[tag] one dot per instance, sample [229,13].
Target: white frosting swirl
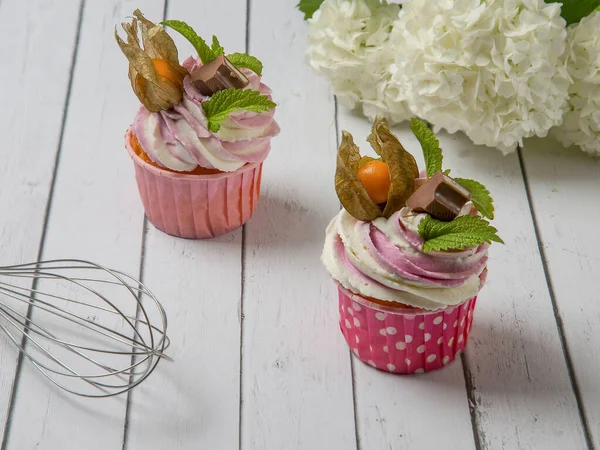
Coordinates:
[383,259]
[179,138]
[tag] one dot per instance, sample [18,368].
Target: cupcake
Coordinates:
[201,134]
[408,253]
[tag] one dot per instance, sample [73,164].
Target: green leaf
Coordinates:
[461,233]
[205,53]
[216,47]
[429,144]
[223,103]
[308,7]
[247,61]
[481,197]
[575,10]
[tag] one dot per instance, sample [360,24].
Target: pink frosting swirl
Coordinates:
[179,138]
[384,259]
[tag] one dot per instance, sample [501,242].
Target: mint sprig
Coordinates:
[575,10]
[461,233]
[309,7]
[481,197]
[247,61]
[208,53]
[216,48]
[430,145]
[223,103]
[205,53]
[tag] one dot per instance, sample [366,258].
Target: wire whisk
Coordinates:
[92,331]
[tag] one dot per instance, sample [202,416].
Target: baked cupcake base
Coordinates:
[403,340]
[196,206]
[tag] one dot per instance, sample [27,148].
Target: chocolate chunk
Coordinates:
[441,197]
[218,75]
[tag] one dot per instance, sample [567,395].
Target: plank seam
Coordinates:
[556,309]
[137,316]
[137,308]
[242,277]
[470,388]
[15,386]
[352,370]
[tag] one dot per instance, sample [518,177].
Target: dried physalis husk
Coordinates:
[350,190]
[402,165]
[156,91]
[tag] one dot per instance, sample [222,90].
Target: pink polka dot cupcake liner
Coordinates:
[404,341]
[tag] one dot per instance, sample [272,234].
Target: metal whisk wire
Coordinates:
[141,345]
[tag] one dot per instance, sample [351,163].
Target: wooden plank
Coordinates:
[96,214]
[193,402]
[521,388]
[30,123]
[399,412]
[563,185]
[296,389]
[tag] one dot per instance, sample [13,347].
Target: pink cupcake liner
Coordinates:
[196,206]
[404,341]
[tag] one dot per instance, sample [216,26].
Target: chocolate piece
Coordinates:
[218,75]
[441,197]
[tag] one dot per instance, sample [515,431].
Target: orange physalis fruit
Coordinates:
[375,177]
[163,69]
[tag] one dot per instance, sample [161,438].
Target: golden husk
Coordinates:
[154,91]
[351,192]
[402,166]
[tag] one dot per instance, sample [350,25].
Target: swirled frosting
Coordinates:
[179,138]
[384,259]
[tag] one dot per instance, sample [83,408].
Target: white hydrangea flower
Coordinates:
[491,68]
[347,43]
[582,121]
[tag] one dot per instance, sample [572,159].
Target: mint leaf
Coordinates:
[216,47]
[481,197]
[247,61]
[205,53]
[430,145]
[223,103]
[461,233]
[308,7]
[575,10]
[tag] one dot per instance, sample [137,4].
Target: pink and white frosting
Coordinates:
[384,259]
[179,138]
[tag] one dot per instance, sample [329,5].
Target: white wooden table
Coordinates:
[259,360]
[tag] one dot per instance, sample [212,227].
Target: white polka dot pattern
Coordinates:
[404,343]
